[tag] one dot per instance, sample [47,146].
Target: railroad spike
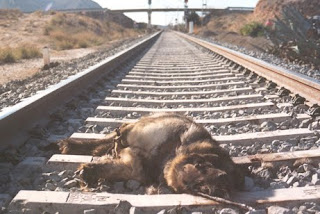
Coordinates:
[252,75]
[282,92]
[297,100]
[247,72]
[314,110]
[235,66]
[271,85]
[240,68]
[260,80]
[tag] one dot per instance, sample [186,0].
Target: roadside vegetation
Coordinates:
[11,55]
[253,29]
[69,31]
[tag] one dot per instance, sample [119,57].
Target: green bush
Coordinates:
[253,29]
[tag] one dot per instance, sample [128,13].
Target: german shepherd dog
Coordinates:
[165,147]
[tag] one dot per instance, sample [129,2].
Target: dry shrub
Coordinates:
[28,52]
[58,19]
[7,56]
[90,38]
[11,55]
[13,14]
[47,30]
[69,31]
[38,13]
[64,41]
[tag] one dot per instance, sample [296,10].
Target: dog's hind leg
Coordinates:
[86,147]
[96,147]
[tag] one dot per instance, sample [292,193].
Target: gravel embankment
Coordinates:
[272,59]
[15,176]
[12,92]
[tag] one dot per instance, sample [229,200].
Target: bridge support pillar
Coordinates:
[149,19]
[190,27]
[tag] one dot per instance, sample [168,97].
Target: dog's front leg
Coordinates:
[113,170]
[127,167]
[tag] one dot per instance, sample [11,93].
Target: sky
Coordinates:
[161,18]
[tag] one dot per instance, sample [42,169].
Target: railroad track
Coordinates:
[262,126]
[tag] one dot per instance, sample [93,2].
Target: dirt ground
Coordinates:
[250,43]
[224,26]
[22,29]
[18,29]
[27,68]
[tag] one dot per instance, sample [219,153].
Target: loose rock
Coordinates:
[122,207]
[92,211]
[228,211]
[70,184]
[133,184]
[278,210]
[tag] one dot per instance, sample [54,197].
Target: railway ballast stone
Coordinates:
[122,207]
[268,126]
[72,183]
[4,201]
[305,123]
[256,212]
[133,185]
[119,187]
[50,186]
[279,210]
[315,179]
[91,211]
[228,211]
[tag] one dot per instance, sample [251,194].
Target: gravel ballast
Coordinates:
[272,59]
[70,119]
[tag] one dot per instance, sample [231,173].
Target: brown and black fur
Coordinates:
[161,147]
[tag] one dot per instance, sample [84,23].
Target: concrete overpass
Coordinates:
[152,10]
[163,10]
[240,9]
[182,9]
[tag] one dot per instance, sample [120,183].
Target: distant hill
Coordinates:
[33,5]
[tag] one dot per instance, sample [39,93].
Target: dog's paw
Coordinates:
[89,174]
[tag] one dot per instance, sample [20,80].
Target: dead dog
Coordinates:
[166,147]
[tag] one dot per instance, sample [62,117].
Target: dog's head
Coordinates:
[206,173]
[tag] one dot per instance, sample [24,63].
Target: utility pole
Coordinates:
[204,7]
[186,12]
[149,14]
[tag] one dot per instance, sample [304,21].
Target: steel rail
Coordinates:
[297,83]
[16,121]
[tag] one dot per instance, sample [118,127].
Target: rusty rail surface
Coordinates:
[297,83]
[16,121]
